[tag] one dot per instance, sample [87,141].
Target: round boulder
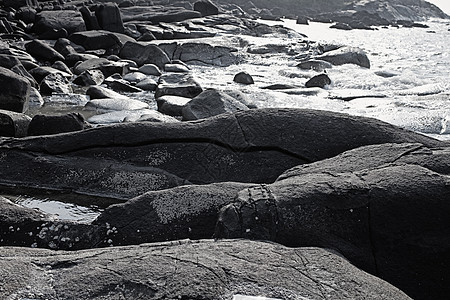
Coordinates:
[244,78]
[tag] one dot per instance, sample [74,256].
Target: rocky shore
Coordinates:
[205,195]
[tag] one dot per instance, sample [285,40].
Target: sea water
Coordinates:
[410,67]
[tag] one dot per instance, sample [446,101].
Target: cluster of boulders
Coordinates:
[329,197]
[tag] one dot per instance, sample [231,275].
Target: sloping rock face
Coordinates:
[71,21]
[249,146]
[15,91]
[186,270]
[388,220]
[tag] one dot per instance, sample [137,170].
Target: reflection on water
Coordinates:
[63,210]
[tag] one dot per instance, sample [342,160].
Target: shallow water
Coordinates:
[410,66]
[60,210]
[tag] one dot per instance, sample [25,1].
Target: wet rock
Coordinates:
[109,17]
[154,116]
[39,73]
[244,78]
[321,81]
[120,85]
[314,64]
[35,98]
[178,84]
[156,14]
[90,20]
[100,39]
[64,47]
[13,124]
[303,20]
[47,124]
[135,77]
[108,104]
[341,26]
[201,53]
[15,91]
[74,59]
[172,105]
[69,20]
[144,54]
[206,8]
[176,68]
[182,212]
[147,84]
[228,147]
[258,268]
[42,51]
[55,83]
[352,94]
[346,55]
[99,92]
[14,64]
[106,66]
[59,65]
[211,103]
[366,215]
[89,77]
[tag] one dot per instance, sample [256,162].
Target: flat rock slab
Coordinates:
[186,270]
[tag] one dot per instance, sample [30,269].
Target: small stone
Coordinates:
[244,78]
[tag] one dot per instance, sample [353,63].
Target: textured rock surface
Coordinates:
[186,270]
[13,124]
[15,91]
[144,54]
[389,221]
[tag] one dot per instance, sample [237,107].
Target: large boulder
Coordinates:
[13,124]
[43,51]
[201,53]
[15,91]
[106,66]
[211,103]
[99,39]
[346,55]
[172,105]
[157,14]
[389,221]
[69,20]
[144,54]
[247,146]
[206,8]
[44,124]
[109,17]
[55,83]
[187,270]
[14,64]
[178,84]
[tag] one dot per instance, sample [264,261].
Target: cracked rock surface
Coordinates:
[186,270]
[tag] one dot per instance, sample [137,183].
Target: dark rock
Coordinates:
[156,14]
[342,26]
[90,20]
[69,20]
[105,66]
[315,64]
[303,20]
[206,8]
[178,84]
[59,65]
[14,64]
[45,124]
[74,59]
[201,53]
[147,84]
[39,73]
[144,54]
[121,86]
[109,17]
[99,39]
[15,91]
[90,77]
[204,270]
[54,34]
[99,92]
[55,83]
[346,55]
[42,51]
[64,47]
[279,86]
[321,81]
[211,103]
[247,146]
[366,215]
[243,77]
[13,124]
[172,105]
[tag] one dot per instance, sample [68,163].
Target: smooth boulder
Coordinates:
[144,54]
[211,103]
[346,55]
[45,124]
[15,91]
